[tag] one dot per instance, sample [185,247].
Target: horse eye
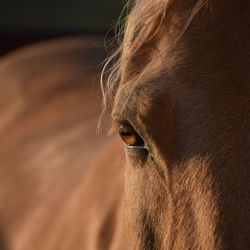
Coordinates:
[130,137]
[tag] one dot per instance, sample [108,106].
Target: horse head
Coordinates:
[181,106]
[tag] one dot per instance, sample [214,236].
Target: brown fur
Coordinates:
[183,83]
[59,189]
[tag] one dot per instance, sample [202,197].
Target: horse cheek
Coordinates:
[146,204]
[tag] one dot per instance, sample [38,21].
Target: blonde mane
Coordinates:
[146,23]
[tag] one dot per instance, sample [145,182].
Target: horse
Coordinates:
[180,95]
[53,195]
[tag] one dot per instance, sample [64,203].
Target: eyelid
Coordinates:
[135,147]
[120,121]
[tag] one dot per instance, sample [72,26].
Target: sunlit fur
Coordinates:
[61,184]
[145,25]
[182,81]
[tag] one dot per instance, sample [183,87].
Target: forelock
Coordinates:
[147,24]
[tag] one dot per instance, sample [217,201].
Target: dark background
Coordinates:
[24,21]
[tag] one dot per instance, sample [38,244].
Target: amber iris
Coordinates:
[129,135]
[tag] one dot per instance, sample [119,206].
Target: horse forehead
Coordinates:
[134,100]
[211,56]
